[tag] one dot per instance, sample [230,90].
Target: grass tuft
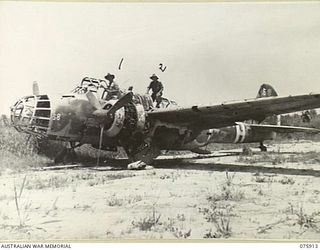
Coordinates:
[149,222]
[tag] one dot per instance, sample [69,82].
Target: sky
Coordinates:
[213,52]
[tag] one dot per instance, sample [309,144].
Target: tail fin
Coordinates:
[35,88]
[266,90]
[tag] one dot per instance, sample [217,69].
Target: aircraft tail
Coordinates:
[35,88]
[266,90]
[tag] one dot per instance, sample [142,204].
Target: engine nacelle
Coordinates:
[118,122]
[126,123]
[141,117]
[127,120]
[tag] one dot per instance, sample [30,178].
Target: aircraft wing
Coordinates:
[227,113]
[282,129]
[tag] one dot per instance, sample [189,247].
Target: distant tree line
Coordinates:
[309,118]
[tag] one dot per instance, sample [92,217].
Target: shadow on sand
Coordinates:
[190,163]
[242,168]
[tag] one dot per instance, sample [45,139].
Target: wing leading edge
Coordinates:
[227,113]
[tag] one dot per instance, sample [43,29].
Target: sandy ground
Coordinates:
[224,195]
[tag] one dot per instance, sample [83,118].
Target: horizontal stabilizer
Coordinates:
[282,129]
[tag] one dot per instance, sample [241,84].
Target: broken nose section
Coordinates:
[31,114]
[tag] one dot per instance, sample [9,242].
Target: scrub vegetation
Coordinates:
[18,152]
[272,195]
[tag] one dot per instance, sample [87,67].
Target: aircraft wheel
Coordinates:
[137,165]
[263,148]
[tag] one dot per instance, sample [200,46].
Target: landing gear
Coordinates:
[143,155]
[262,147]
[67,155]
[137,165]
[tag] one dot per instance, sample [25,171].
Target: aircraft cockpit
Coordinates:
[90,84]
[31,114]
[100,89]
[97,86]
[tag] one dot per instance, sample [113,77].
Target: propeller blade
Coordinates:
[35,88]
[101,113]
[100,143]
[121,102]
[93,100]
[106,116]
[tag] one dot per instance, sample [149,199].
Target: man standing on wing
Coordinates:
[156,88]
